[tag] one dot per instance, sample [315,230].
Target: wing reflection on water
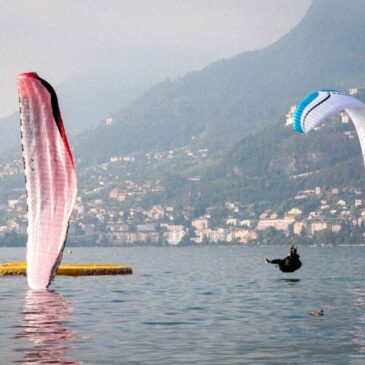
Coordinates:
[44,315]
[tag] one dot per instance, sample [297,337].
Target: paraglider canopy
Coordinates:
[50,177]
[319,106]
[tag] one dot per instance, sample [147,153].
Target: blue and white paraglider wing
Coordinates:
[319,106]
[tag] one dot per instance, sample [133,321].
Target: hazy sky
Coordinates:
[61,38]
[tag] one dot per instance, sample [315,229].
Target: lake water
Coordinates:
[201,305]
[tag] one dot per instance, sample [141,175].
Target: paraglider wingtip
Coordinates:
[24,75]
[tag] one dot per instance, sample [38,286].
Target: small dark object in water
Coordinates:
[318,313]
[290,280]
[291,263]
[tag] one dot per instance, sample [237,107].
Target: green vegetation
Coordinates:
[269,168]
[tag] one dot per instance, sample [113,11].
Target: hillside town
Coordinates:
[108,209]
[102,216]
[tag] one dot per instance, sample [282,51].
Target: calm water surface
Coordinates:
[207,305]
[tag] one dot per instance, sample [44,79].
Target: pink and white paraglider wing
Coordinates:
[50,178]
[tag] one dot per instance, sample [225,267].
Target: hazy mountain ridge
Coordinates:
[10,145]
[222,103]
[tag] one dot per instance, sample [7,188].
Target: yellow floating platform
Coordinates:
[20,268]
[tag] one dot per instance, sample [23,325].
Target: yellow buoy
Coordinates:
[20,268]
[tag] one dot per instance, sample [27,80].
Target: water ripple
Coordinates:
[191,313]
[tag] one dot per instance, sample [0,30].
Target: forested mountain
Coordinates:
[269,168]
[232,98]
